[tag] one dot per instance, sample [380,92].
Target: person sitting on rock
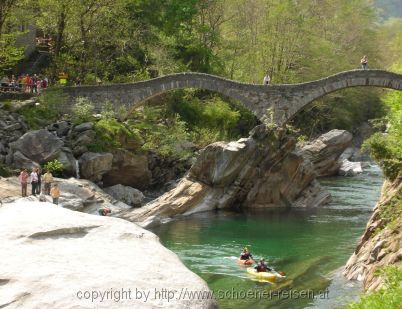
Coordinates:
[104,211]
[262,266]
[55,193]
[245,255]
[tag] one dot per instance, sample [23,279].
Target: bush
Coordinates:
[390,296]
[55,167]
[5,171]
[83,110]
[165,139]
[112,134]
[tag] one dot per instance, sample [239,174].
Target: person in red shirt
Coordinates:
[29,84]
[24,181]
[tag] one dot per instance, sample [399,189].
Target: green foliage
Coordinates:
[47,111]
[10,54]
[83,110]
[386,148]
[210,116]
[55,167]
[162,135]
[390,296]
[112,134]
[5,171]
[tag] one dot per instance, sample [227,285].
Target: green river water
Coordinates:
[309,245]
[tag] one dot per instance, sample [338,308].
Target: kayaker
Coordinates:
[262,266]
[245,255]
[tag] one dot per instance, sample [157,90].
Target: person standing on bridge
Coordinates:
[364,62]
[267,79]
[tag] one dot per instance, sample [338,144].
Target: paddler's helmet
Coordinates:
[245,249]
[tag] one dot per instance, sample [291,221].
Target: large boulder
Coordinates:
[94,165]
[128,169]
[69,162]
[128,195]
[57,258]
[262,171]
[325,151]
[39,146]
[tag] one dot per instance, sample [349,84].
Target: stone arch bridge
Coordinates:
[284,101]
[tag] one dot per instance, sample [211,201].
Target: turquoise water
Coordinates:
[307,244]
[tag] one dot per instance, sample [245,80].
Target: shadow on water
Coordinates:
[307,244]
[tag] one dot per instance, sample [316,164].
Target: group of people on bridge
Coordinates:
[24,83]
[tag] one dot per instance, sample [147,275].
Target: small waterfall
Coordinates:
[77,169]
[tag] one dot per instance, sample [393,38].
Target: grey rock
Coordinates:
[83,127]
[67,158]
[21,161]
[349,168]
[128,195]
[13,127]
[325,151]
[40,146]
[94,165]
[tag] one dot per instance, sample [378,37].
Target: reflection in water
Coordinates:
[307,244]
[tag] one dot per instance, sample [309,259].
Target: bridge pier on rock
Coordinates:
[284,101]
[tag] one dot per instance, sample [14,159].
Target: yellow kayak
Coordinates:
[265,275]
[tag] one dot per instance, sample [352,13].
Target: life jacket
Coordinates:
[261,267]
[245,256]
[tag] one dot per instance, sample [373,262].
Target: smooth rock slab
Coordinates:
[51,256]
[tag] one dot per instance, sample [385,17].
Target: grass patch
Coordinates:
[390,296]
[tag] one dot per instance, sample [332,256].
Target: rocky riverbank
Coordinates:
[57,258]
[380,244]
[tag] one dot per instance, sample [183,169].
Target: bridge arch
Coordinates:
[285,101]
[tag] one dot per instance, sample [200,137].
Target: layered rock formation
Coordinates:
[325,151]
[56,258]
[380,244]
[264,170]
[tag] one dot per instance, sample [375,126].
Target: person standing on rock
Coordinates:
[47,180]
[34,180]
[55,193]
[39,186]
[24,181]
[364,62]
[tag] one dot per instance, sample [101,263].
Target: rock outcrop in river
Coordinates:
[325,151]
[56,258]
[262,171]
[380,244]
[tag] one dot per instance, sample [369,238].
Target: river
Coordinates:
[309,245]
